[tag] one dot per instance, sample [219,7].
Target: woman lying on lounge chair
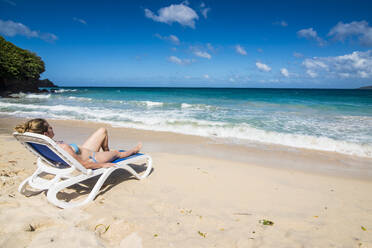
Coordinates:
[87,154]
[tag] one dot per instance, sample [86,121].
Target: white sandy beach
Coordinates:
[202,193]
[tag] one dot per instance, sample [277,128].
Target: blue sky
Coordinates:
[312,44]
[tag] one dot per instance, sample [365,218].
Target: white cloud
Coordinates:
[281,23]
[48,37]
[79,20]
[206,76]
[354,65]
[172,38]
[360,29]
[298,55]
[263,67]
[179,61]
[204,10]
[311,34]
[314,63]
[202,54]
[239,49]
[311,73]
[344,75]
[10,28]
[180,13]
[9,2]
[284,72]
[175,60]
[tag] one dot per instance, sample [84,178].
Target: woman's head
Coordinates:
[40,126]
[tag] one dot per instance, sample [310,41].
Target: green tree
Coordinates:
[17,63]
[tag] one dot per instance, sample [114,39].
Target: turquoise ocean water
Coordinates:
[330,120]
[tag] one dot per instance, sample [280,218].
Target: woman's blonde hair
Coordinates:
[34,126]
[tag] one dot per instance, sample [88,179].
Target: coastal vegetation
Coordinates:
[20,70]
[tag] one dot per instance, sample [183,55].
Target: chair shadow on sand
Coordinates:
[79,190]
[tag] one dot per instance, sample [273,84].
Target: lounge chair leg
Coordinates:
[22,186]
[133,172]
[57,187]
[148,169]
[41,186]
[36,182]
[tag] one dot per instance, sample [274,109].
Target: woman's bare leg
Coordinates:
[131,151]
[99,139]
[103,157]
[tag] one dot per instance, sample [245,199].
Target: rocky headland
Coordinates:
[20,71]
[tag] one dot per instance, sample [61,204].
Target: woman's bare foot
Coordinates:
[137,148]
[131,152]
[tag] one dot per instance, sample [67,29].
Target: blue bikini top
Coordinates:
[75,148]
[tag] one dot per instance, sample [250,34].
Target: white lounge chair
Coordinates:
[52,159]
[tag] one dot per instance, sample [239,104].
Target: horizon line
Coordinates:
[195,87]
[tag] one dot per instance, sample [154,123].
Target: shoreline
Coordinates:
[280,157]
[288,125]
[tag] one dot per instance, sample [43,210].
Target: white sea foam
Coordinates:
[149,104]
[180,122]
[116,101]
[250,134]
[30,95]
[186,105]
[198,106]
[80,98]
[39,96]
[20,95]
[153,104]
[29,108]
[65,90]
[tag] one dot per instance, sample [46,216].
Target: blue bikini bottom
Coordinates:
[93,157]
